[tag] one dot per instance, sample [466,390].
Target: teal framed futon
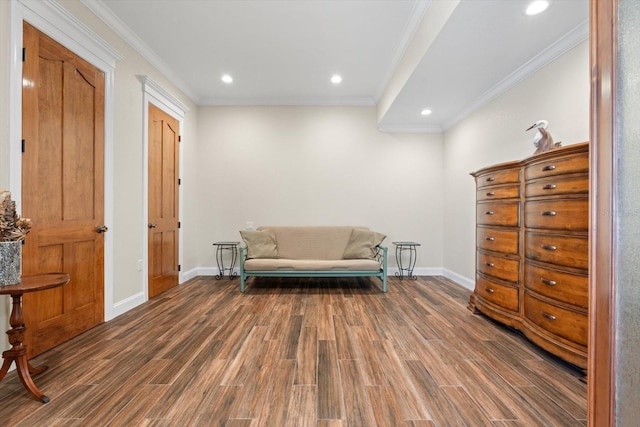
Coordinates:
[312,251]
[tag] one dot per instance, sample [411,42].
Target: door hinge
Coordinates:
[23,146]
[179,138]
[179,225]
[179,267]
[24,54]
[179,181]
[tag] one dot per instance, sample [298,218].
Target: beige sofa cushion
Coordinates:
[362,244]
[311,265]
[260,244]
[311,242]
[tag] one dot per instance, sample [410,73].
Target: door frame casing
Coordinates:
[60,25]
[155,94]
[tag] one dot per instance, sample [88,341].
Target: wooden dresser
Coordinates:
[532,223]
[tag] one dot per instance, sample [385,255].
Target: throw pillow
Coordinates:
[362,244]
[260,244]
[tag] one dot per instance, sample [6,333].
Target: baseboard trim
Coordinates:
[127,304]
[464,281]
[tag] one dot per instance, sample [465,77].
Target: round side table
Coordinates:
[18,351]
[221,247]
[410,249]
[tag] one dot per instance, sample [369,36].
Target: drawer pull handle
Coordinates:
[489,264]
[549,316]
[489,239]
[490,179]
[548,168]
[491,193]
[549,247]
[489,290]
[548,282]
[548,213]
[549,187]
[489,212]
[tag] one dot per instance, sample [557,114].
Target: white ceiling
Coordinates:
[283,52]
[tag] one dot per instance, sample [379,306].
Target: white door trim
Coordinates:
[55,21]
[158,96]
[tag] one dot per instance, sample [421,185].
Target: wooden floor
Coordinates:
[300,352]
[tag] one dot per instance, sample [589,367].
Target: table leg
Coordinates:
[399,262]
[18,352]
[220,263]
[234,258]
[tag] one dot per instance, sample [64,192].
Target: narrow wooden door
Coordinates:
[164,137]
[62,189]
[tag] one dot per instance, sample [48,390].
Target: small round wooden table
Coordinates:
[18,351]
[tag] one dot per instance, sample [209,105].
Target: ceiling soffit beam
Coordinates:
[434,19]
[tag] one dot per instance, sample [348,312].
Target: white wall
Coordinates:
[559,93]
[316,166]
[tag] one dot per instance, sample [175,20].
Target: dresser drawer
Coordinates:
[557,214]
[557,185]
[559,166]
[559,321]
[505,214]
[498,267]
[495,293]
[498,177]
[569,251]
[511,192]
[559,285]
[494,239]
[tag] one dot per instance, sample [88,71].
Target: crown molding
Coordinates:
[410,129]
[419,9]
[293,101]
[58,23]
[124,32]
[567,42]
[154,89]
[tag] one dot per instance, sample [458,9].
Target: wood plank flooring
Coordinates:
[300,352]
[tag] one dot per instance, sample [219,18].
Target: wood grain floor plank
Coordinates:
[252,395]
[307,357]
[441,410]
[134,412]
[548,408]
[275,406]
[183,402]
[467,408]
[386,408]
[248,356]
[479,383]
[408,400]
[329,404]
[420,423]
[358,408]
[291,337]
[373,372]
[302,406]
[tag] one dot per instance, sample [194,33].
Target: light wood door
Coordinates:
[62,189]
[164,137]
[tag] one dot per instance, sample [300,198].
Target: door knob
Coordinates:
[152,225]
[102,229]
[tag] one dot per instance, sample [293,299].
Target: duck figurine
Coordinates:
[543,141]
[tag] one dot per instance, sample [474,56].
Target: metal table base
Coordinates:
[404,248]
[221,247]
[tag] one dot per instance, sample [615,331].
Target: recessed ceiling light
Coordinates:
[335,79]
[425,112]
[536,7]
[227,78]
